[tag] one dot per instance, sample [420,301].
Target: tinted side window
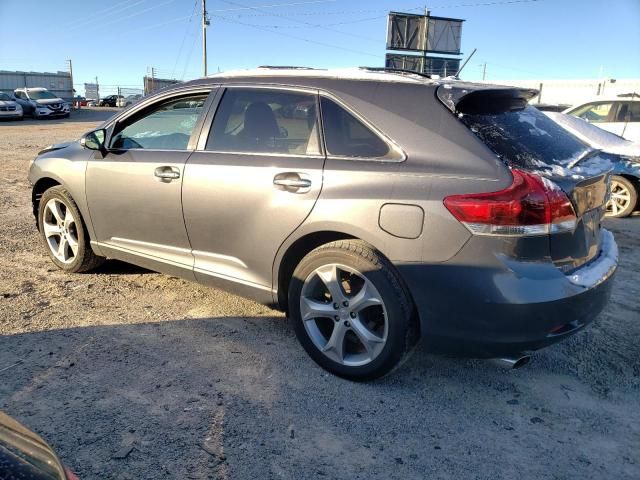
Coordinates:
[167,127]
[346,136]
[629,112]
[265,121]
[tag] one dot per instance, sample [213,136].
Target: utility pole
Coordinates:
[97,89]
[426,38]
[484,71]
[205,23]
[71,75]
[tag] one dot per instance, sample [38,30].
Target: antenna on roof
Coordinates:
[465,63]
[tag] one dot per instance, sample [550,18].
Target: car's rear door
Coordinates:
[254,178]
[629,114]
[134,191]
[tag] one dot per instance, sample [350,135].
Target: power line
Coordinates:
[276,5]
[369,10]
[110,10]
[184,37]
[309,24]
[140,12]
[302,39]
[186,64]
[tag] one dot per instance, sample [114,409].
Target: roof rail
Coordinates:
[395,70]
[286,67]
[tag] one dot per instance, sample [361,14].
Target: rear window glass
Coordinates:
[526,138]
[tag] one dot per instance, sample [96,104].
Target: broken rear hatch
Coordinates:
[524,138]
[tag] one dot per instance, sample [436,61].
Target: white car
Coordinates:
[129,100]
[619,115]
[40,103]
[9,108]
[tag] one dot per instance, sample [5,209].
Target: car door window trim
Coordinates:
[375,130]
[151,103]
[215,106]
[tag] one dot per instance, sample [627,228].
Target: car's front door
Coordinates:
[254,179]
[134,191]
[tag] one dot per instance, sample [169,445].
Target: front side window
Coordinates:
[167,127]
[346,136]
[594,112]
[21,95]
[266,121]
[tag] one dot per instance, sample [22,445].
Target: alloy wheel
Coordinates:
[344,314]
[60,231]
[620,198]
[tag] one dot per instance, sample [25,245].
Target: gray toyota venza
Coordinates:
[376,208]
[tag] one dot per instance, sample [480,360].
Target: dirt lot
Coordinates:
[132,374]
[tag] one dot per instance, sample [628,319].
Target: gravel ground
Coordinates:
[135,375]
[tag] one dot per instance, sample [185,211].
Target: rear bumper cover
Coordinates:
[508,306]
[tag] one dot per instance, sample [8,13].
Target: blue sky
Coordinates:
[118,40]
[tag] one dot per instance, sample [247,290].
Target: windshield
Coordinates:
[40,94]
[4,97]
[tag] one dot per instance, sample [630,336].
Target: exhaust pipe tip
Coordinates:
[511,363]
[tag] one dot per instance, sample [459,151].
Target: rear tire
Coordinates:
[64,233]
[357,315]
[624,197]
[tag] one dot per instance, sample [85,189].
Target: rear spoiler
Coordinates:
[476,99]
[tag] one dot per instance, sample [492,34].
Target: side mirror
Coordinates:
[94,140]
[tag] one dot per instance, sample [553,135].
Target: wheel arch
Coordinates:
[296,252]
[42,185]
[301,246]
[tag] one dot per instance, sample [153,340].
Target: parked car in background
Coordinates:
[129,100]
[619,115]
[624,156]
[548,107]
[41,103]
[9,107]
[80,101]
[375,208]
[26,456]
[110,101]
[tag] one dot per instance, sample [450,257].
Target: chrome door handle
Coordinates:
[167,173]
[292,183]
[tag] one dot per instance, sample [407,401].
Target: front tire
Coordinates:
[350,311]
[64,233]
[624,197]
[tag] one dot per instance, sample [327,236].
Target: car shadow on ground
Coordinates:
[232,397]
[116,267]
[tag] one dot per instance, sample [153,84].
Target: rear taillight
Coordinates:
[531,205]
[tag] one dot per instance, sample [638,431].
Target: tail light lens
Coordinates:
[531,205]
